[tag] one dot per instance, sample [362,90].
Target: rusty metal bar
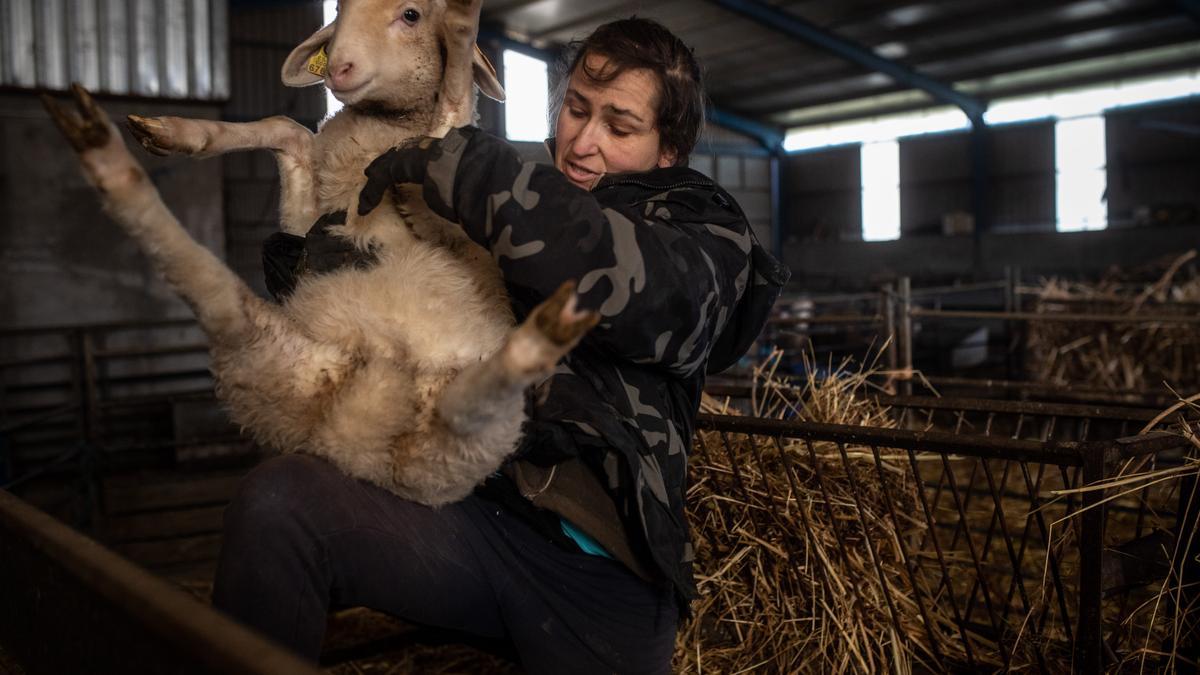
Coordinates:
[1018,407]
[970,491]
[89,387]
[862,521]
[1186,569]
[910,563]
[1143,398]
[1028,290]
[981,577]
[1055,571]
[1089,654]
[810,535]
[887,307]
[113,326]
[828,319]
[833,519]
[771,499]
[11,426]
[1145,444]
[941,558]
[1018,578]
[72,606]
[905,338]
[920,313]
[1053,452]
[961,288]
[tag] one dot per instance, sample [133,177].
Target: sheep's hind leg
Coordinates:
[288,140]
[261,361]
[479,414]
[215,293]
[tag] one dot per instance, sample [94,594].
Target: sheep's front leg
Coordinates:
[479,414]
[290,142]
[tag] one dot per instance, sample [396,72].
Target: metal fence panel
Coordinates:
[1013,577]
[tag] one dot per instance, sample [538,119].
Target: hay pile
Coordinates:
[777,593]
[1119,356]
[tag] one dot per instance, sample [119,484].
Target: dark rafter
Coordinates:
[800,29]
[1192,7]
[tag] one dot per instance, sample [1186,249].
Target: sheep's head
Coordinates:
[386,55]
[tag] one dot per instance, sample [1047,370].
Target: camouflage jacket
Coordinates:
[681,283]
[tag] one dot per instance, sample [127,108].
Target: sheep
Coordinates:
[369,368]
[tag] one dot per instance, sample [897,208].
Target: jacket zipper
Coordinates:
[651,186]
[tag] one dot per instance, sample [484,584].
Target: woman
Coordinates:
[577,553]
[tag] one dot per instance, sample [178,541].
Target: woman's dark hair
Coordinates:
[643,43]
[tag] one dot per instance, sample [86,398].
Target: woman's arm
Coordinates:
[665,273]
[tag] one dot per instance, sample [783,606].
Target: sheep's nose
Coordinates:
[340,74]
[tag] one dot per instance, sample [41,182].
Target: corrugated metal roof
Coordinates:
[762,73]
[163,48]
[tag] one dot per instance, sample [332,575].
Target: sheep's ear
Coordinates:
[306,65]
[485,76]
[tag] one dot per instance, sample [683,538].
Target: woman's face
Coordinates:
[608,127]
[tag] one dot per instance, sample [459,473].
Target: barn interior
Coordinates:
[965,441]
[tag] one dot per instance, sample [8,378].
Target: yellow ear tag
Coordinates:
[318,64]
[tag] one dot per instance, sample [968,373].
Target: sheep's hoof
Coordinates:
[85,128]
[152,133]
[559,319]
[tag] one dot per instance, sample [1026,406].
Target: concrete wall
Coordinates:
[844,266]
[1154,164]
[822,195]
[1153,200]
[936,176]
[64,261]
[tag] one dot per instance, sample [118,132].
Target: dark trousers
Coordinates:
[301,537]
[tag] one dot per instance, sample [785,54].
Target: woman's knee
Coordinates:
[280,493]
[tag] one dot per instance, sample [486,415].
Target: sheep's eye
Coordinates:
[411,16]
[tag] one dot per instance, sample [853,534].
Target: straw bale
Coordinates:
[1119,356]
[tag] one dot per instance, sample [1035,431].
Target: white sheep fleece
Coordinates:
[408,374]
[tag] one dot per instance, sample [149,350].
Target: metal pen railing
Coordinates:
[987,559]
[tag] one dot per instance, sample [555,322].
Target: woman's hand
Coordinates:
[410,163]
[400,165]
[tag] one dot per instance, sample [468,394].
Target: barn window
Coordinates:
[1079,158]
[527,90]
[332,105]
[881,191]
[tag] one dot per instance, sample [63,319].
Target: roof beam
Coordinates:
[1192,7]
[498,36]
[769,136]
[805,31]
